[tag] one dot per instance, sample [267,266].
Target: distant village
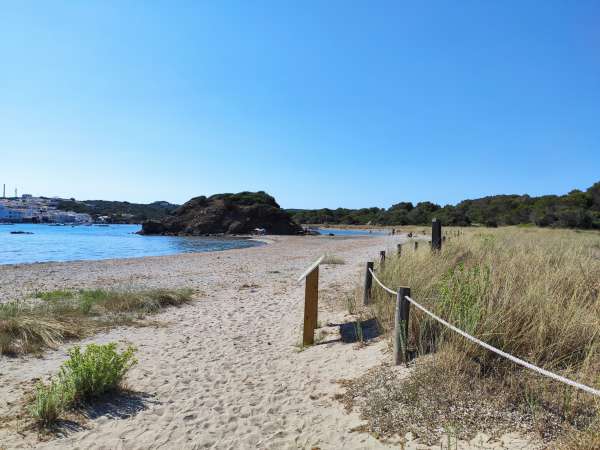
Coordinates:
[30,209]
[37,210]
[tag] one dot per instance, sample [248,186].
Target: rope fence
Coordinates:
[479,342]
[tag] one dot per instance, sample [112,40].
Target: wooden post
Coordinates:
[436,235]
[399,249]
[311,305]
[368,283]
[382,258]
[401,326]
[416,245]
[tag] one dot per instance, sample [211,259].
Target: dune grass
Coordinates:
[31,325]
[332,260]
[530,292]
[84,377]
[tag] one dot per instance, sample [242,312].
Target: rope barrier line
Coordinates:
[493,349]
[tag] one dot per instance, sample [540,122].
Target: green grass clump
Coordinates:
[54,295]
[84,377]
[50,402]
[97,370]
[30,326]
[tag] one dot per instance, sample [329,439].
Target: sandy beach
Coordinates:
[226,371]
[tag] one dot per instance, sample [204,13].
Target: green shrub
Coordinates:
[95,371]
[82,378]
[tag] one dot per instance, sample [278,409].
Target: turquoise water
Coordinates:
[67,243]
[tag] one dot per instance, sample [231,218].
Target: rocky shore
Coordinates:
[242,213]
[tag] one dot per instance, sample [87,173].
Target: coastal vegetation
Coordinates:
[118,212]
[83,378]
[530,292]
[577,209]
[32,325]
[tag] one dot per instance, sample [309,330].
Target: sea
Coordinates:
[73,243]
[49,242]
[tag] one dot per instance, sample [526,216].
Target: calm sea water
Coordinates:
[66,243]
[352,232]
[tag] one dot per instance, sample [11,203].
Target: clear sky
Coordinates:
[320,103]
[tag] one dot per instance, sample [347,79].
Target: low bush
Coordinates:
[84,377]
[97,370]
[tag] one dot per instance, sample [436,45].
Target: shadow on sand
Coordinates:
[351,333]
[118,405]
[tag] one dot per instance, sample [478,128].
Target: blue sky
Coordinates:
[322,104]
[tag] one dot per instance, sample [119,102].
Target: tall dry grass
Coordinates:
[530,292]
[31,325]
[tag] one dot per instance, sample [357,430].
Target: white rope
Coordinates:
[508,356]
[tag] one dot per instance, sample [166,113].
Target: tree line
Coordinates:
[577,209]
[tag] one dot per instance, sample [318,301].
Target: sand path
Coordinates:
[225,372]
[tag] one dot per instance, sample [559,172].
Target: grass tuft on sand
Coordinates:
[530,292]
[84,377]
[332,260]
[31,325]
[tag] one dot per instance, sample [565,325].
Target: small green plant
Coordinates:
[50,402]
[97,370]
[84,377]
[359,331]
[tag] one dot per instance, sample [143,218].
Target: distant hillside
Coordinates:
[577,209]
[119,212]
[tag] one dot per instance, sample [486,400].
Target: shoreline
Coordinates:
[216,238]
[228,369]
[224,371]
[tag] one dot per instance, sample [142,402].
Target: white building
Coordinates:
[10,215]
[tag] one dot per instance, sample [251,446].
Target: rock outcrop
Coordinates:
[238,213]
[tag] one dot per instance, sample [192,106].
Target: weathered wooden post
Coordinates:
[416,245]
[382,258]
[311,302]
[368,283]
[401,326]
[399,249]
[436,235]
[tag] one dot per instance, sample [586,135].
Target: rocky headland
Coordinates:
[239,213]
